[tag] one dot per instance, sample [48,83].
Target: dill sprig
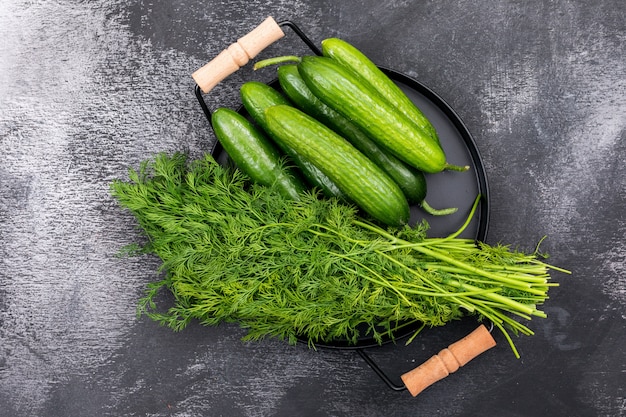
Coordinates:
[233,251]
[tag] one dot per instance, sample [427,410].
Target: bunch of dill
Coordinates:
[233,251]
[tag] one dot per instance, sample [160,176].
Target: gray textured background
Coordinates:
[90,88]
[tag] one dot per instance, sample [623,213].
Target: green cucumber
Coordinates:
[256,97]
[411,181]
[348,55]
[253,153]
[364,182]
[343,91]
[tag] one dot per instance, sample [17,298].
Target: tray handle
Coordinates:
[449,360]
[237,55]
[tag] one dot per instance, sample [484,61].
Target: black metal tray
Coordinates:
[445,189]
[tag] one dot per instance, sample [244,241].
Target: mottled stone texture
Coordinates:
[90,88]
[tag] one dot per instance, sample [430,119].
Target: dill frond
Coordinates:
[233,251]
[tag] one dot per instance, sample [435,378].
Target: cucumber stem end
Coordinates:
[276,61]
[437,212]
[458,168]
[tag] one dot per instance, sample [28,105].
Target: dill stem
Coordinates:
[380,279]
[465,266]
[517,306]
[467,306]
[538,289]
[527,272]
[519,273]
[451,246]
[556,268]
[498,306]
[407,287]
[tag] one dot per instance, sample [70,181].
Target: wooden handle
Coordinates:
[449,360]
[237,55]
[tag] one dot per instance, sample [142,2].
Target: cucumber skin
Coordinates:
[256,97]
[411,181]
[362,180]
[340,89]
[351,57]
[253,152]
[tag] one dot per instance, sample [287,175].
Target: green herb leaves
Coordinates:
[234,251]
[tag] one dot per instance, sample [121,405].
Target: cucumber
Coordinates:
[253,152]
[256,97]
[411,181]
[343,91]
[364,182]
[349,56]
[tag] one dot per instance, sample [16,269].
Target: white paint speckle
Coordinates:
[573,96]
[68,301]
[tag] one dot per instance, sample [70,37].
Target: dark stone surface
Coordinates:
[88,89]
